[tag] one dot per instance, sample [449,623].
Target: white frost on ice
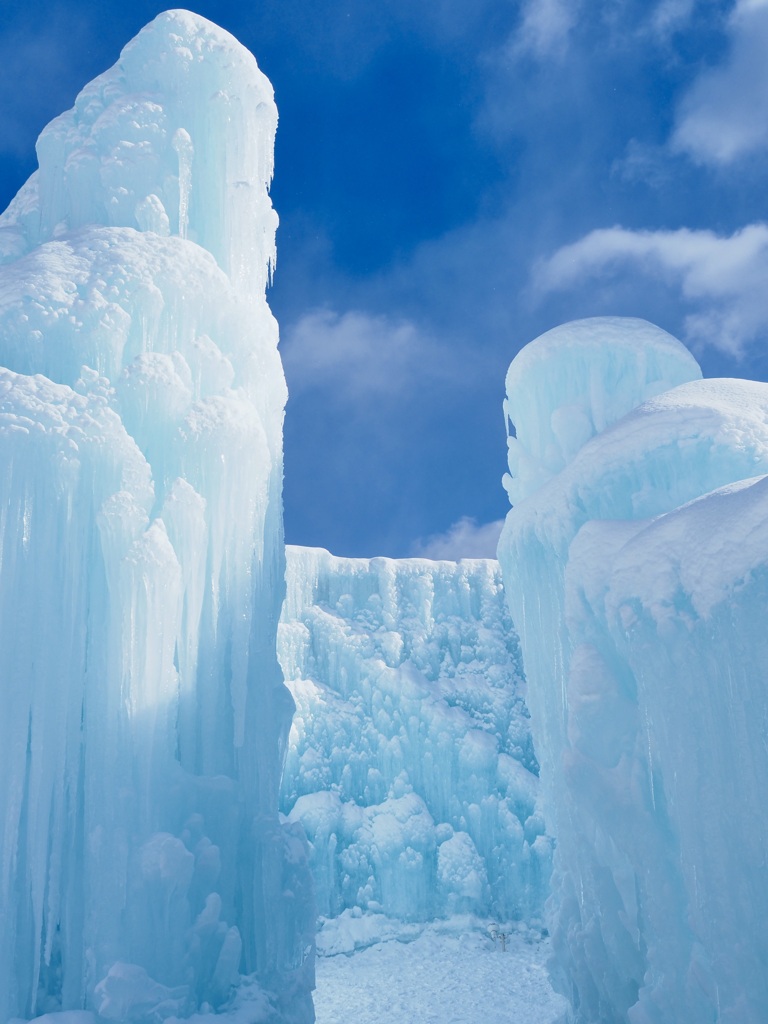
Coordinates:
[452,971]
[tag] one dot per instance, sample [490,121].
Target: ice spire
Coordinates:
[142,863]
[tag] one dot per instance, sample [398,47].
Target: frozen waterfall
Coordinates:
[144,720]
[636,569]
[410,762]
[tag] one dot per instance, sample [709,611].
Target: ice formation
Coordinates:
[410,762]
[144,717]
[637,574]
[591,373]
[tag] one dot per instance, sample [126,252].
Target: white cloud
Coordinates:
[670,16]
[357,354]
[721,278]
[545,27]
[724,116]
[466,538]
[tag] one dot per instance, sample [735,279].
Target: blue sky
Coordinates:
[453,178]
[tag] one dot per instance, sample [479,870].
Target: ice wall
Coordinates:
[144,717]
[637,577]
[410,762]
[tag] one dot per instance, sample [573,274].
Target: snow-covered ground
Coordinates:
[450,973]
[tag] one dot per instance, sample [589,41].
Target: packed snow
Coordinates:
[410,764]
[143,864]
[637,577]
[458,971]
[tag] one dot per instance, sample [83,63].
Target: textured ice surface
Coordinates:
[637,577]
[410,762]
[574,381]
[144,718]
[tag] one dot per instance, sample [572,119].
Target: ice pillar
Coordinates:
[634,562]
[142,863]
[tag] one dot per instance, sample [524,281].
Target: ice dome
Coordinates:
[577,379]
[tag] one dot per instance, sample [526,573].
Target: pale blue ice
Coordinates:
[635,562]
[143,865]
[410,763]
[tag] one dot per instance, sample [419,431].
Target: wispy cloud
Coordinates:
[670,16]
[721,278]
[466,538]
[545,27]
[724,116]
[358,354]
[645,162]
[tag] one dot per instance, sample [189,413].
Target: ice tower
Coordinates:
[143,716]
[635,565]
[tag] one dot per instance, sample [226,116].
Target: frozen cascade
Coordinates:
[143,864]
[410,762]
[638,577]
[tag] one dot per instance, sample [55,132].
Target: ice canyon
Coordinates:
[207,743]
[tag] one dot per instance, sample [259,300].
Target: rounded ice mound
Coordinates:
[668,451]
[577,379]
